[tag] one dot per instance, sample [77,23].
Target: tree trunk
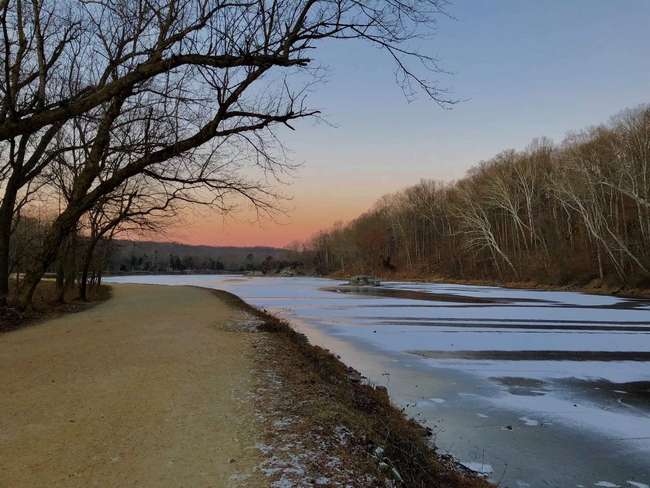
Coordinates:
[60,274]
[6,217]
[600,265]
[83,284]
[62,226]
[70,269]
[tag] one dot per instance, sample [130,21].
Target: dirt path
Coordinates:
[146,389]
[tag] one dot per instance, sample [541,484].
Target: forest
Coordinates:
[573,213]
[133,256]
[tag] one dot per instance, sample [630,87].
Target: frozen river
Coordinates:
[533,388]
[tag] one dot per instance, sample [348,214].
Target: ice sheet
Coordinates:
[512,320]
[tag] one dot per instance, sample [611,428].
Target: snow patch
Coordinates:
[528,421]
[480,468]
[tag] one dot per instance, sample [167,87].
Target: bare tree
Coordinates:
[478,228]
[34,41]
[561,214]
[137,206]
[165,85]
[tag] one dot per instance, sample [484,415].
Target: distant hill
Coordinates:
[131,256]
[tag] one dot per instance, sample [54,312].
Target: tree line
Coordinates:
[169,257]
[115,114]
[566,213]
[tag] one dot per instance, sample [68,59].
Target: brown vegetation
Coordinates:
[332,396]
[47,303]
[168,257]
[574,213]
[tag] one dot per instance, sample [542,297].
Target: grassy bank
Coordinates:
[384,442]
[46,305]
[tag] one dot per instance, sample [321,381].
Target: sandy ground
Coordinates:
[146,389]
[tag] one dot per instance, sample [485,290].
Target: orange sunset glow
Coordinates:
[308,209]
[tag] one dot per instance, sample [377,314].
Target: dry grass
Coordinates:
[45,305]
[321,389]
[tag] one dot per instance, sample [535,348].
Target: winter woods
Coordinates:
[567,213]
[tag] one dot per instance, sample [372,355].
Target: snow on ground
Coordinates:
[422,338]
[621,426]
[614,371]
[637,484]
[481,468]
[552,297]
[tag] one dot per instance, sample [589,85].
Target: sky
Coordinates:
[522,69]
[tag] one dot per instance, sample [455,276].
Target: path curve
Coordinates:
[149,388]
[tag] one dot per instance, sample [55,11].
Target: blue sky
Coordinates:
[523,68]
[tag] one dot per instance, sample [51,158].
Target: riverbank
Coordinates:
[492,415]
[594,287]
[335,398]
[163,386]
